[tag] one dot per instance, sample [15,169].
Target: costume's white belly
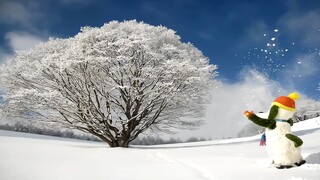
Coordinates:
[279,147]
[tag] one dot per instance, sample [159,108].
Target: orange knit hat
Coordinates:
[287,102]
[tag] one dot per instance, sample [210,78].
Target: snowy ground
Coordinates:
[35,157]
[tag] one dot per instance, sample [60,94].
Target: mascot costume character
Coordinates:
[282,146]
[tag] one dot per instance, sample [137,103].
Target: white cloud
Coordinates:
[13,12]
[305,26]
[224,117]
[305,66]
[24,18]
[300,22]
[19,41]
[24,14]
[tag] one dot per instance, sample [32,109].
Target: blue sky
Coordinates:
[278,39]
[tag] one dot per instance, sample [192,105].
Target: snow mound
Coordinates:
[309,124]
[313,158]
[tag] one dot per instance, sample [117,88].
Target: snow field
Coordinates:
[36,157]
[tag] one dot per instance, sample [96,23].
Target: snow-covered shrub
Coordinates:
[307,109]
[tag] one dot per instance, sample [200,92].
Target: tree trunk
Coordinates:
[123,143]
[120,142]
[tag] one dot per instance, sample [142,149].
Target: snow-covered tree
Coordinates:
[114,82]
[307,109]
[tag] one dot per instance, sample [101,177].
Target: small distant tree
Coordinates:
[114,82]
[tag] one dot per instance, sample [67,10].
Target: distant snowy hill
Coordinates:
[36,157]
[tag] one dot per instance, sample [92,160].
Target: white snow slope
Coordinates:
[36,157]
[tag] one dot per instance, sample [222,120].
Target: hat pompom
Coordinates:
[294,96]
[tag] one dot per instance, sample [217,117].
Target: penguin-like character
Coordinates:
[282,146]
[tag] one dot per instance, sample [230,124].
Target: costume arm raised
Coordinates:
[271,124]
[262,122]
